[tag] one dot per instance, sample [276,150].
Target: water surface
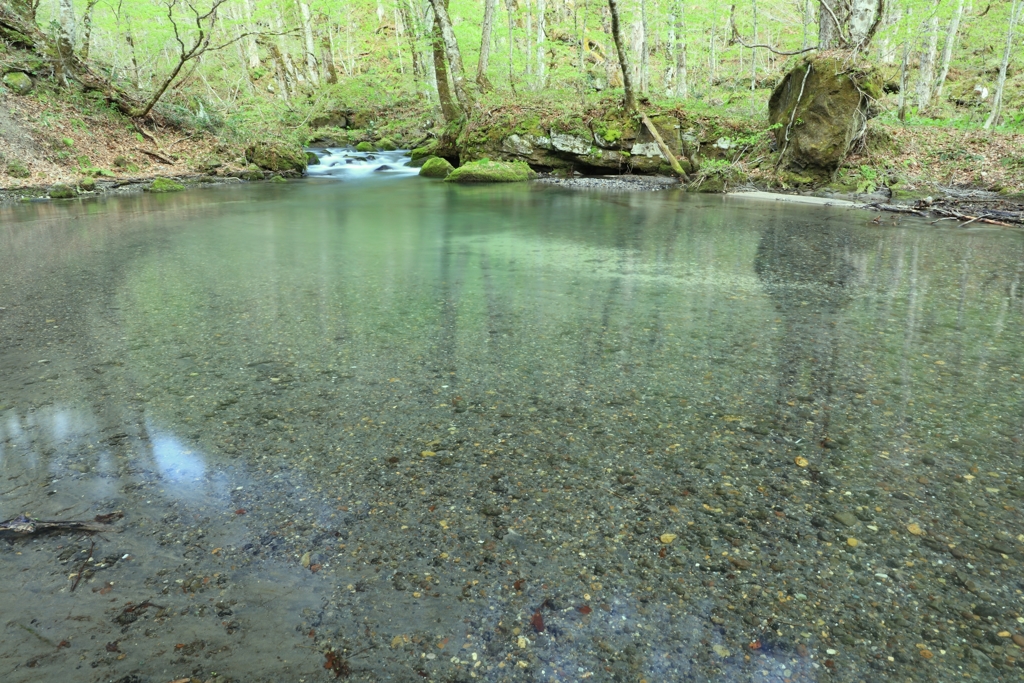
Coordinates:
[508,433]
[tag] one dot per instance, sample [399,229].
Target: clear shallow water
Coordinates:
[464,407]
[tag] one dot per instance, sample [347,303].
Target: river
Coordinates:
[390,429]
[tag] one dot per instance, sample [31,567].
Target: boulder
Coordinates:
[386,145]
[364,147]
[436,167]
[61,191]
[818,111]
[18,82]
[332,119]
[162,185]
[487,171]
[277,156]
[87,185]
[17,169]
[425,151]
[312,159]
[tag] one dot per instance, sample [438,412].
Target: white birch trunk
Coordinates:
[997,99]
[251,49]
[680,49]
[312,70]
[926,76]
[947,48]
[541,39]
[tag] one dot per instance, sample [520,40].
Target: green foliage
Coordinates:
[17,169]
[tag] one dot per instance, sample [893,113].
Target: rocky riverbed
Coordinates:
[532,449]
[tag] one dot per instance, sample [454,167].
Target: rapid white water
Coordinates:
[348,164]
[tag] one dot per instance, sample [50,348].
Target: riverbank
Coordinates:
[972,176]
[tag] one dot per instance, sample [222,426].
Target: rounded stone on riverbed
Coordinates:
[436,167]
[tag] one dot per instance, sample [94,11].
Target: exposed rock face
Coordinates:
[18,82]
[279,157]
[819,110]
[615,144]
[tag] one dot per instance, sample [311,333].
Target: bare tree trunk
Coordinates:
[327,50]
[753,53]
[541,37]
[901,111]
[645,71]
[451,48]
[444,94]
[529,38]
[680,49]
[251,49]
[411,33]
[926,76]
[807,15]
[620,48]
[485,44]
[312,70]
[286,59]
[829,32]
[997,99]
[67,20]
[947,48]
[87,29]
[511,43]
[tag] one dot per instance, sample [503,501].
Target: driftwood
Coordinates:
[159,157]
[23,525]
[666,152]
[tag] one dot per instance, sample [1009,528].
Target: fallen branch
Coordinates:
[773,50]
[159,157]
[666,152]
[23,525]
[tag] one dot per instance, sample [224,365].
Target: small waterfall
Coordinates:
[345,163]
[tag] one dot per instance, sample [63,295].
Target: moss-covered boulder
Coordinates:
[819,110]
[87,184]
[487,171]
[251,174]
[162,185]
[62,191]
[312,159]
[427,150]
[18,82]
[277,156]
[278,179]
[386,145]
[436,167]
[364,146]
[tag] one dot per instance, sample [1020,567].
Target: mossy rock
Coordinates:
[828,103]
[385,145]
[62,191]
[487,171]
[364,147]
[251,174]
[87,185]
[18,82]
[277,156]
[161,185]
[17,169]
[436,167]
[427,150]
[278,179]
[312,159]
[714,184]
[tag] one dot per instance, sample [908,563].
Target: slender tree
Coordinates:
[620,48]
[1011,31]
[947,48]
[485,44]
[451,49]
